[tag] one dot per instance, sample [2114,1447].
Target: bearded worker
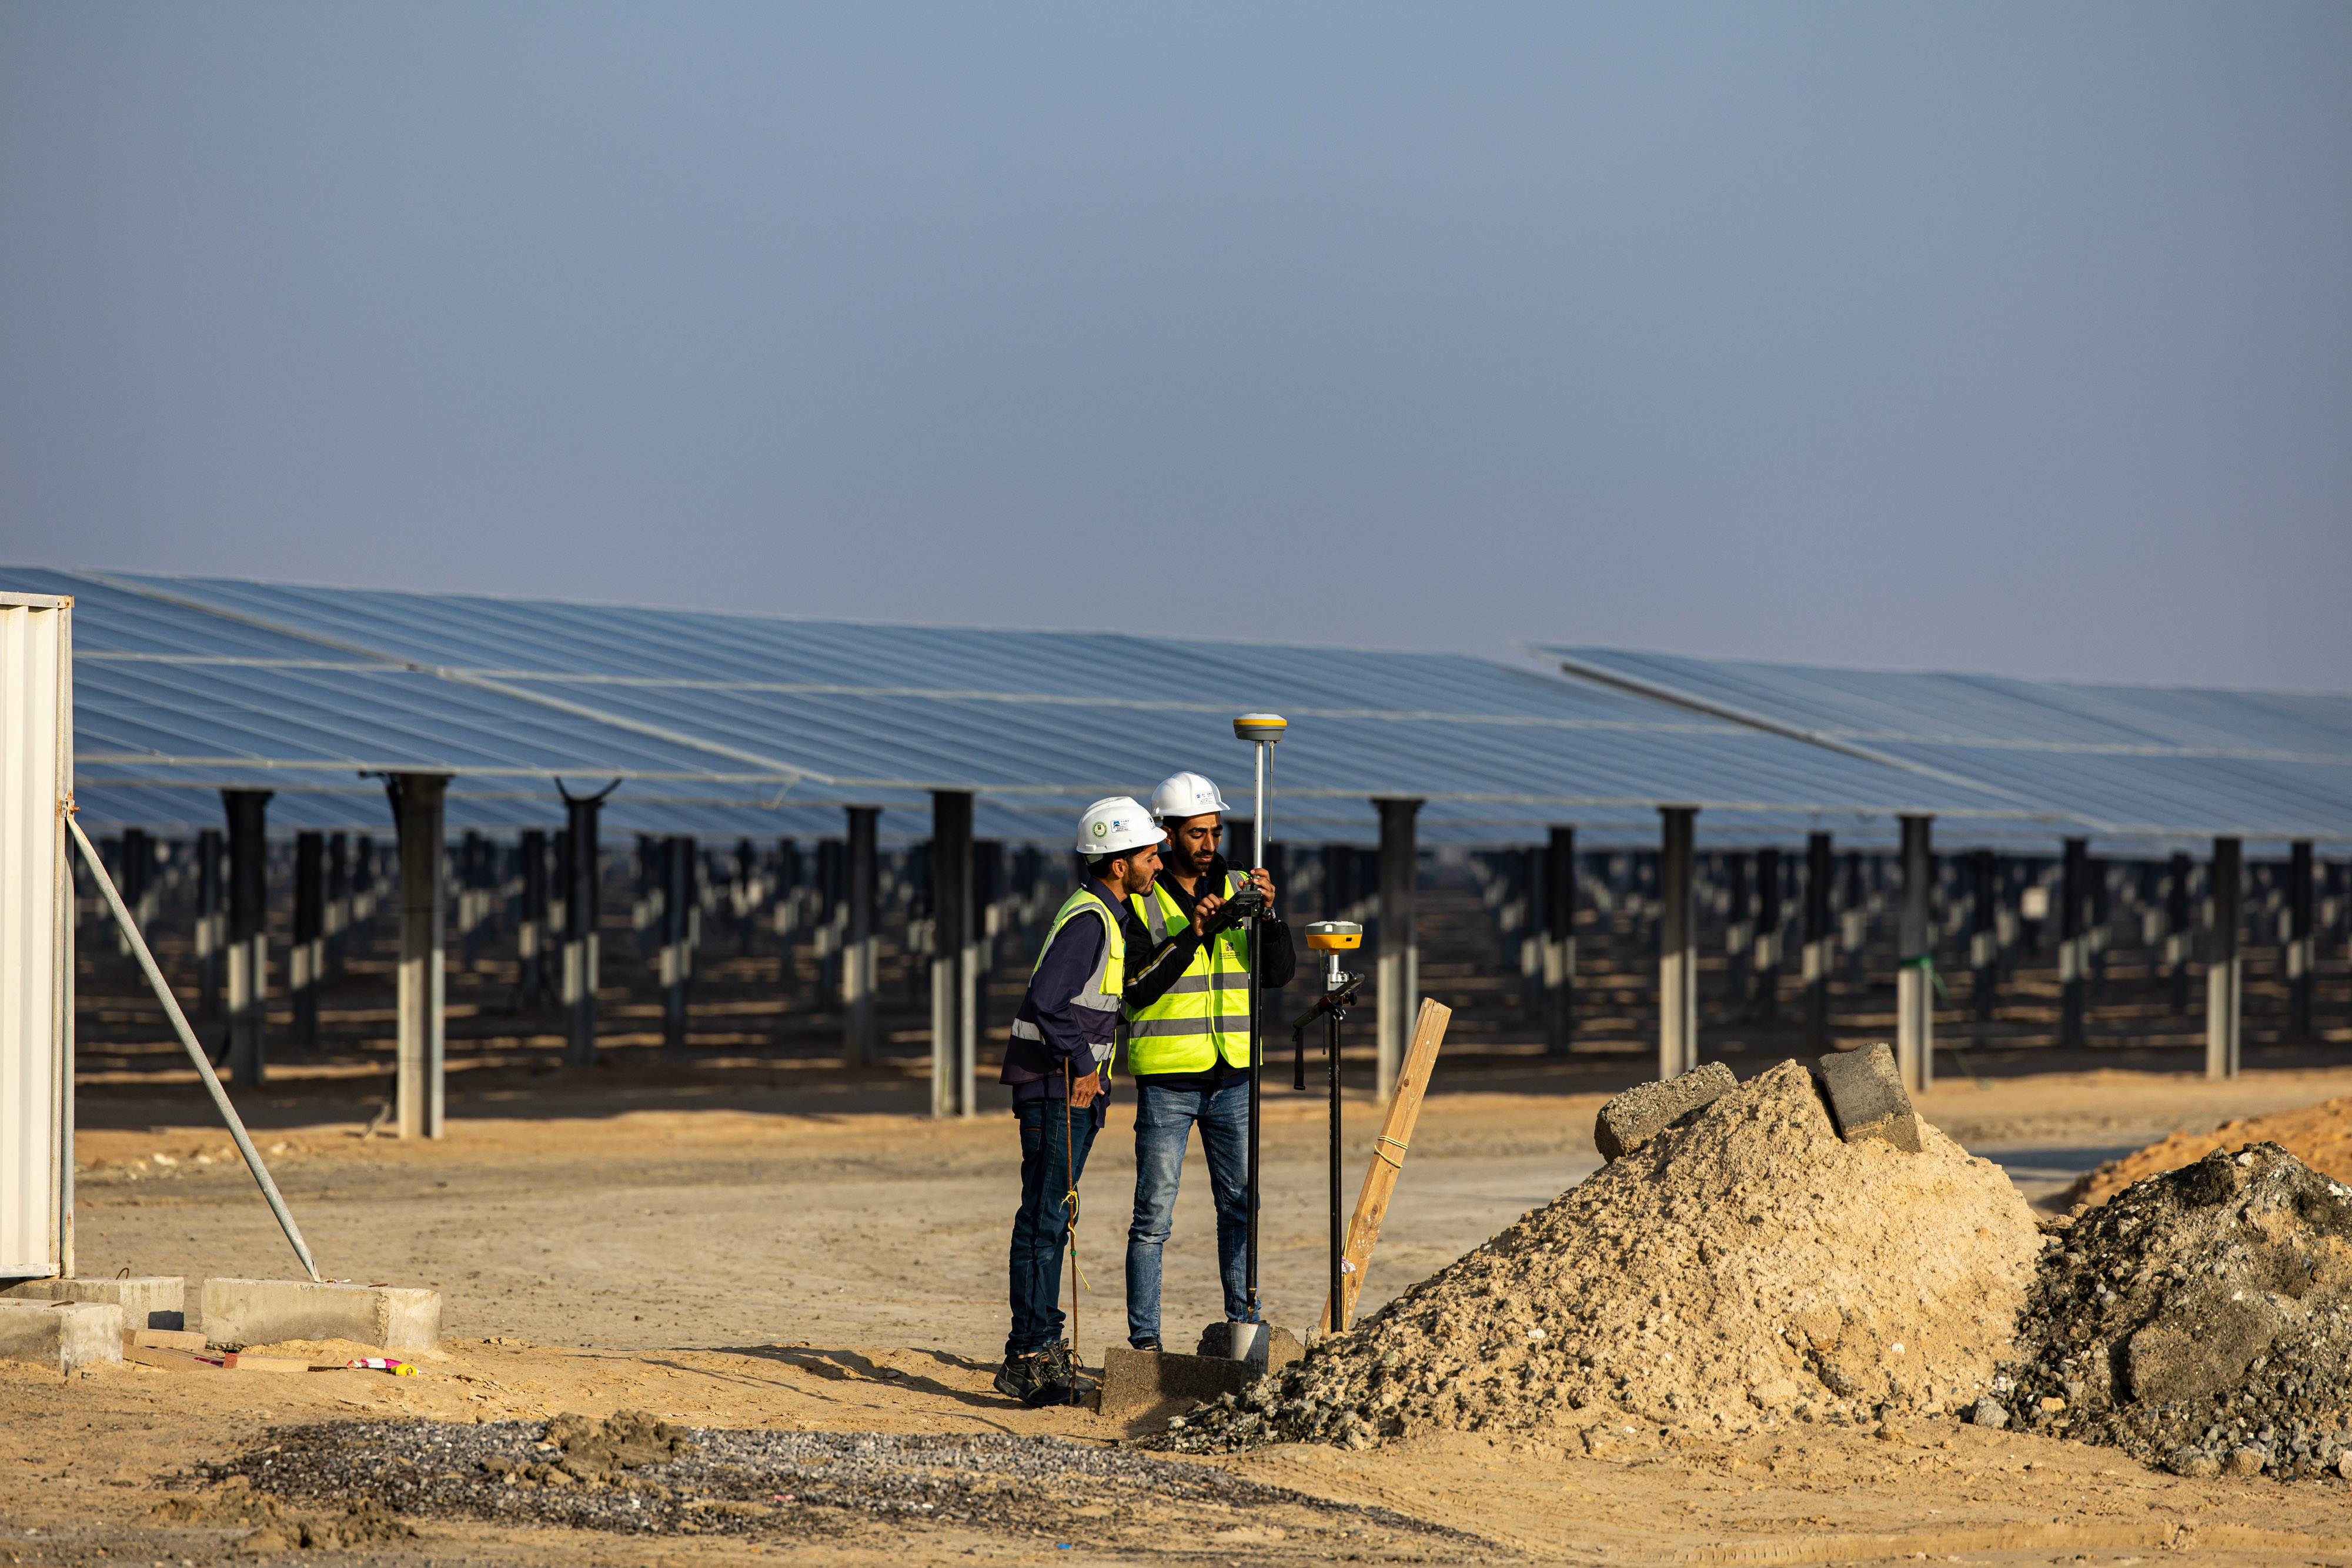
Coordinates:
[1189,1049]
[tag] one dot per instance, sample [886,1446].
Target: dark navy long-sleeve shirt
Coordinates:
[1076,1038]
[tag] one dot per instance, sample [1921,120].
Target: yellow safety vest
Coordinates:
[1104,988]
[1205,1014]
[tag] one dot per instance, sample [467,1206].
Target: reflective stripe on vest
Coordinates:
[1109,978]
[1205,1014]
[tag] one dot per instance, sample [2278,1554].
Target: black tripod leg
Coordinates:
[1338,1235]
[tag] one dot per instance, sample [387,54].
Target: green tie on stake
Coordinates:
[1927,961]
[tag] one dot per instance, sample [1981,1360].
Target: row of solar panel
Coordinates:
[734,724]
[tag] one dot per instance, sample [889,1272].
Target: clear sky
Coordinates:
[2013,337]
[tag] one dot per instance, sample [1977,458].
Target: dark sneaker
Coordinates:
[1022,1377]
[1148,1341]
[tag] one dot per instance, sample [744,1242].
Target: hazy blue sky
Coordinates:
[2012,337]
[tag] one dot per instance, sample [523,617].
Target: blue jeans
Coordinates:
[1041,1232]
[1163,1122]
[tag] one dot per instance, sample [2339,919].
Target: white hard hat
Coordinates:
[1113,823]
[1186,795]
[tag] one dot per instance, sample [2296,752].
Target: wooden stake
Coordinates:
[1387,1155]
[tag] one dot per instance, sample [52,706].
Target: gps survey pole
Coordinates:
[1332,938]
[1262,730]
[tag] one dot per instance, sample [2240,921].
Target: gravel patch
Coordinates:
[770,1483]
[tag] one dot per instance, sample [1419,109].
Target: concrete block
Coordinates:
[60,1335]
[1866,1098]
[263,1311]
[154,1301]
[1641,1113]
[1150,1386]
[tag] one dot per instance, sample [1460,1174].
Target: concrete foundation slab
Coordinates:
[1645,1111]
[60,1335]
[153,1301]
[1150,1386]
[1866,1096]
[263,1311]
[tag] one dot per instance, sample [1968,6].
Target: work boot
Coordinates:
[1023,1377]
[1062,1383]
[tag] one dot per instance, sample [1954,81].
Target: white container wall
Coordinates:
[35,935]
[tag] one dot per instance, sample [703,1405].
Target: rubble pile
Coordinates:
[1740,1264]
[2319,1135]
[2200,1320]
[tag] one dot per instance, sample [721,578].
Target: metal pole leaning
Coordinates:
[196,1052]
[1262,730]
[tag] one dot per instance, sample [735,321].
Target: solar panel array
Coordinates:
[724,723]
[2138,766]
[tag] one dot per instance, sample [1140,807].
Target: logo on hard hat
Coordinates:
[1101,828]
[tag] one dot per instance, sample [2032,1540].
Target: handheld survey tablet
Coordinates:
[1335,935]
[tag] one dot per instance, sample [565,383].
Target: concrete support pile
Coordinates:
[248,934]
[1765,947]
[2072,943]
[680,915]
[582,881]
[2177,932]
[417,811]
[2224,975]
[212,926]
[1398,964]
[1677,945]
[530,919]
[335,921]
[2296,937]
[954,1034]
[1984,932]
[1819,934]
[1560,939]
[1914,981]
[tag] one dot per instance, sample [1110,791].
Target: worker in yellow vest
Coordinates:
[1188,1049]
[1098,960]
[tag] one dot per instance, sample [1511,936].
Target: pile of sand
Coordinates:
[1743,1266]
[2201,1319]
[2318,1135]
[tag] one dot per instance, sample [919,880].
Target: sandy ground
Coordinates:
[731,1269]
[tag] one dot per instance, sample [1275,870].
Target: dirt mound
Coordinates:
[2201,1319]
[1743,1265]
[363,1523]
[2319,1135]
[593,1451]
